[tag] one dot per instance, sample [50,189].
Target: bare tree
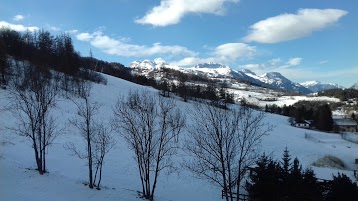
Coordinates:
[103,143]
[32,98]
[151,125]
[98,139]
[87,126]
[223,144]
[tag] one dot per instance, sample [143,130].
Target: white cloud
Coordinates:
[84,36]
[294,61]
[120,47]
[224,53]
[287,27]
[252,66]
[18,18]
[159,60]
[53,28]
[276,64]
[323,62]
[73,31]
[191,61]
[291,62]
[18,27]
[172,11]
[232,51]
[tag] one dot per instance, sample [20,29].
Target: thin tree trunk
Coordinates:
[44,145]
[141,174]
[100,176]
[238,183]
[95,175]
[89,151]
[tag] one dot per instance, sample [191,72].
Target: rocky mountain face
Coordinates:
[214,70]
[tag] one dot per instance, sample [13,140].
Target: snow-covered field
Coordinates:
[120,177]
[258,97]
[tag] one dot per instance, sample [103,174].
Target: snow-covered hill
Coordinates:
[120,180]
[316,86]
[214,70]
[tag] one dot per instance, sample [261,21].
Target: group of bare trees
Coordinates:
[151,126]
[223,144]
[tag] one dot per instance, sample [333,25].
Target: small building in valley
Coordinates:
[345,125]
[303,124]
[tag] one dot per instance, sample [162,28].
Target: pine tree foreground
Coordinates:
[273,180]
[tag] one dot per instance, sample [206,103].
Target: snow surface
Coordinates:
[18,180]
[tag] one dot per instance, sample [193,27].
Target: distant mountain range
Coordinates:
[316,86]
[355,86]
[214,70]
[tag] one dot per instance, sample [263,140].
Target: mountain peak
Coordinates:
[273,75]
[247,71]
[210,65]
[317,86]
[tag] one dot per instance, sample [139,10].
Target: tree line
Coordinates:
[47,52]
[342,94]
[287,180]
[317,112]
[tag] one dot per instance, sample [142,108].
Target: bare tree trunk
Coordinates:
[100,176]
[89,151]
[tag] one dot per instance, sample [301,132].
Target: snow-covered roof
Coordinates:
[345,122]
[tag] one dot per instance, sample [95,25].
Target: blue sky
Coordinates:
[304,40]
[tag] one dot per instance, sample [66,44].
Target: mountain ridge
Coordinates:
[215,70]
[317,86]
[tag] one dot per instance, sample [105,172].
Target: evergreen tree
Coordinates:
[342,188]
[310,187]
[264,180]
[285,110]
[286,164]
[323,120]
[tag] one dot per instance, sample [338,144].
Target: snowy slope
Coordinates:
[120,176]
[316,86]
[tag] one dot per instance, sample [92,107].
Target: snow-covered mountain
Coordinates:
[355,86]
[317,86]
[148,65]
[214,70]
[278,81]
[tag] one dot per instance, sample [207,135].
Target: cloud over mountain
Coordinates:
[121,47]
[224,53]
[18,17]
